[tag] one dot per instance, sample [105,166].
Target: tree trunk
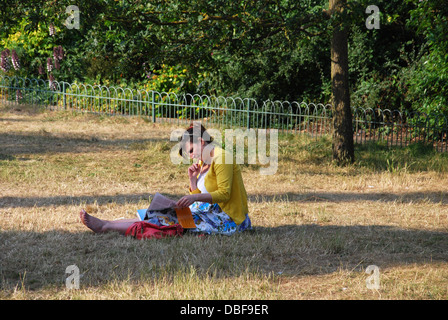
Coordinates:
[343,150]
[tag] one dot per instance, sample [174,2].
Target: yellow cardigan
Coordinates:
[225,184]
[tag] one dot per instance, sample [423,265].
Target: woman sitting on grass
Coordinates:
[217,199]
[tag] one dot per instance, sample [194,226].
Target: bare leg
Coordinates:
[102,226]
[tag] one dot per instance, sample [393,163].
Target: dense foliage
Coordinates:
[260,49]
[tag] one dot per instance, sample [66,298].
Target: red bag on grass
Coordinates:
[145,230]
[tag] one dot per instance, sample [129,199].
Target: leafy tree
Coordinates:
[428,86]
[270,49]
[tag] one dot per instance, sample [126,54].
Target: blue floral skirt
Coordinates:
[209,219]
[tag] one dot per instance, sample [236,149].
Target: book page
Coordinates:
[184,216]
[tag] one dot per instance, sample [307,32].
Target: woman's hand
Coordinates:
[193,171]
[186,201]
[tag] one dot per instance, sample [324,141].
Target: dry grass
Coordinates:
[317,226]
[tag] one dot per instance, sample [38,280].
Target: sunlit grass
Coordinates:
[317,225]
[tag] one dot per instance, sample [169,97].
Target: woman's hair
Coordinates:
[195,131]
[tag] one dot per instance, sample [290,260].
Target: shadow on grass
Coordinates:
[372,155]
[414,157]
[43,142]
[35,260]
[23,202]
[437,197]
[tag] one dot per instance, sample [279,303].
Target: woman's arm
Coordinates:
[193,172]
[224,180]
[188,200]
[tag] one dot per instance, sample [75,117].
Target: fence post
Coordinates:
[63,97]
[153,107]
[248,122]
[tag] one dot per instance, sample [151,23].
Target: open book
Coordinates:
[162,203]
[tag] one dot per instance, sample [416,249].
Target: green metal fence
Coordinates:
[393,127]
[397,128]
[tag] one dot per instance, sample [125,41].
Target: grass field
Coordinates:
[317,226]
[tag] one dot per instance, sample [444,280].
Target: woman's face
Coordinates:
[195,149]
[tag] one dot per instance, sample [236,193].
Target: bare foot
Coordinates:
[94,224]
